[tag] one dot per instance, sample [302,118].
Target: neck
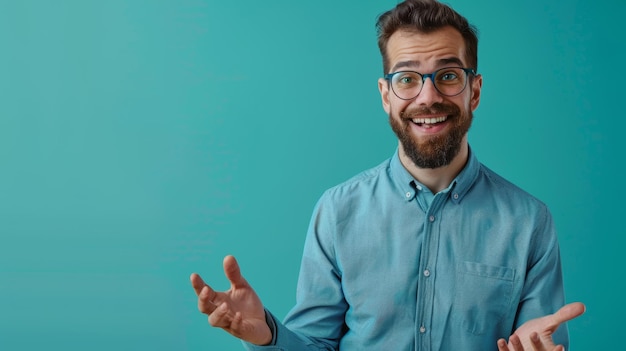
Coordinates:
[437,179]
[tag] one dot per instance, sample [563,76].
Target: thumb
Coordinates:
[233,273]
[568,312]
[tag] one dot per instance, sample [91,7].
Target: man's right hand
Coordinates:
[237,310]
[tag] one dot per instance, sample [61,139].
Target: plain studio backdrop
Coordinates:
[141,141]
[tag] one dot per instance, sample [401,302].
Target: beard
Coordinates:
[437,150]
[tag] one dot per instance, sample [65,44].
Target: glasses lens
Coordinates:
[450,81]
[406,85]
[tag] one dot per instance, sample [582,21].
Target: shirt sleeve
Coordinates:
[543,291]
[316,322]
[284,339]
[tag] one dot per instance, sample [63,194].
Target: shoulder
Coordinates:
[362,184]
[359,191]
[509,196]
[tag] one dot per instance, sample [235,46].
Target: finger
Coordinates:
[233,272]
[197,283]
[559,348]
[516,343]
[536,342]
[236,322]
[568,312]
[220,317]
[502,346]
[205,300]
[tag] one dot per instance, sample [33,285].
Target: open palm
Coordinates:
[536,334]
[237,310]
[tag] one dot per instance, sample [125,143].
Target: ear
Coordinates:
[383,88]
[477,84]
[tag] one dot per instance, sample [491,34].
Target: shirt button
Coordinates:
[431,218]
[408,195]
[426,273]
[422,329]
[455,196]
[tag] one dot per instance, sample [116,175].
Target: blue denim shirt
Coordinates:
[386,267]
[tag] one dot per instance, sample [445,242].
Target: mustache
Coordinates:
[435,109]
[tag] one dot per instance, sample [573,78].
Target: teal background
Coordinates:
[143,140]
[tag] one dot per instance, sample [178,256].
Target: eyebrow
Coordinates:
[416,64]
[450,60]
[405,64]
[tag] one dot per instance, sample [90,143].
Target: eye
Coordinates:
[448,76]
[406,79]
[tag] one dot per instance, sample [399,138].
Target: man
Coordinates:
[430,250]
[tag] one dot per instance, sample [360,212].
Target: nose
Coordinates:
[429,94]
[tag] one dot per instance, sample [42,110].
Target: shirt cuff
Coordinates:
[271,323]
[269,319]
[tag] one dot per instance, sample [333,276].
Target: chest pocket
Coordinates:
[483,295]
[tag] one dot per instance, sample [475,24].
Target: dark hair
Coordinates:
[425,16]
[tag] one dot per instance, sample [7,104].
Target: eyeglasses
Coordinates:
[448,81]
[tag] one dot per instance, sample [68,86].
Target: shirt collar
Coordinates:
[409,187]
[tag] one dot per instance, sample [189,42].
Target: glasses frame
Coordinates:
[389,78]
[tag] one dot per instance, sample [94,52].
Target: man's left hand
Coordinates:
[536,334]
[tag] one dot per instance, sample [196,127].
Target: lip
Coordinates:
[429,119]
[429,128]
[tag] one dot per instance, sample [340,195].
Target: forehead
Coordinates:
[411,48]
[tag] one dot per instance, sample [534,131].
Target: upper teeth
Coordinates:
[429,120]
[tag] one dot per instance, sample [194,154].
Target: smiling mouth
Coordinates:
[427,122]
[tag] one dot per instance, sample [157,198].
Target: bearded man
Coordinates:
[430,250]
